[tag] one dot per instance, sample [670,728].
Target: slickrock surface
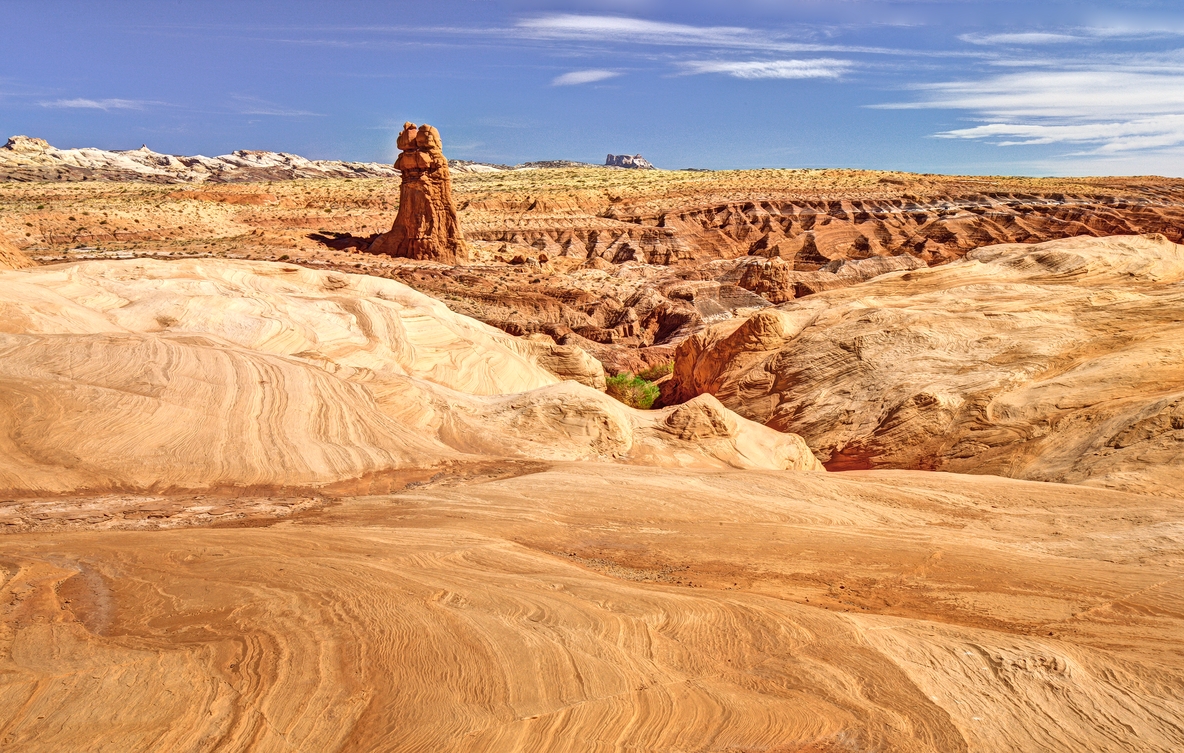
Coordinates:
[1059,361]
[258,506]
[589,607]
[27,159]
[426,227]
[206,374]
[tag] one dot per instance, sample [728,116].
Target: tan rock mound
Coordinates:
[205,374]
[12,257]
[1058,361]
[426,226]
[571,422]
[565,361]
[129,411]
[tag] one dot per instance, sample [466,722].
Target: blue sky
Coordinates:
[1034,88]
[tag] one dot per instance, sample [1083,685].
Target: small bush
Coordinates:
[654,373]
[632,390]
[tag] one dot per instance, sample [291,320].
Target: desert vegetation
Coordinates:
[633,390]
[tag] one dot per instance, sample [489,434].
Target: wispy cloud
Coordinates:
[623,29]
[817,68]
[1105,109]
[583,77]
[618,30]
[1076,35]
[1097,93]
[1105,138]
[256,106]
[97,104]
[1022,38]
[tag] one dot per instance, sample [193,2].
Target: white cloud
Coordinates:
[96,104]
[1094,94]
[570,27]
[583,77]
[622,29]
[1106,109]
[817,68]
[1108,138]
[1023,38]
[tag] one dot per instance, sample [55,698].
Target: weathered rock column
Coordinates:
[426,226]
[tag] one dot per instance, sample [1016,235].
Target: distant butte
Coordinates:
[635,162]
[426,227]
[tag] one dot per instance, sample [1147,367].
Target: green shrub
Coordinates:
[632,390]
[654,373]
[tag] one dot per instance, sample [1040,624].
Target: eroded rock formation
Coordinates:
[426,226]
[11,257]
[1053,362]
[634,161]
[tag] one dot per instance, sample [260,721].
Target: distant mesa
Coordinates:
[426,227]
[635,162]
[468,166]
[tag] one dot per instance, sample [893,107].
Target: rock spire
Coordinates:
[426,226]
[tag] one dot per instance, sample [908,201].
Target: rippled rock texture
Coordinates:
[205,375]
[593,607]
[1058,361]
[256,506]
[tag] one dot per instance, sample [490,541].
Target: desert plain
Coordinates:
[912,481]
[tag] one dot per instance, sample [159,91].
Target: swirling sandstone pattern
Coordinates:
[1057,361]
[506,599]
[150,376]
[589,609]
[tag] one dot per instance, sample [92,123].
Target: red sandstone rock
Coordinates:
[426,227]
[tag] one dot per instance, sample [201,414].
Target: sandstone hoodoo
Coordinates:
[635,162]
[426,227]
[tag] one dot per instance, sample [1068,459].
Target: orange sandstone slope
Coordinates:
[593,607]
[12,257]
[1056,362]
